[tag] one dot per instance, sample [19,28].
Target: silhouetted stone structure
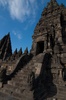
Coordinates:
[40,74]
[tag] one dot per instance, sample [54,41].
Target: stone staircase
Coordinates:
[18,88]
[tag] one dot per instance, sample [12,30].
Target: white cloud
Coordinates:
[14,33]
[3,2]
[20,9]
[18,35]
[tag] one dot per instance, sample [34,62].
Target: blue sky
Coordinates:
[19,17]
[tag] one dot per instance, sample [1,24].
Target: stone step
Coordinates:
[10,89]
[61,97]
[24,70]
[20,79]
[22,75]
[7,91]
[24,96]
[58,97]
[23,83]
[63,92]
[22,86]
[20,92]
[4,96]
[62,88]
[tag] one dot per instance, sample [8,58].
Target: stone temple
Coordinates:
[40,74]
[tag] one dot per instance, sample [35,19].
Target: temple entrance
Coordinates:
[40,47]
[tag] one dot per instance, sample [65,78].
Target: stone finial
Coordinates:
[8,34]
[53,1]
[15,52]
[5,47]
[20,52]
[26,51]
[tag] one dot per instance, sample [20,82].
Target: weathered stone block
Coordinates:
[1,84]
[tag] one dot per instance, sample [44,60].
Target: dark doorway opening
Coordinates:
[40,47]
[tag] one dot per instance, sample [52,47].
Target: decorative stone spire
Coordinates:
[20,52]
[26,51]
[5,47]
[15,52]
[52,4]
[53,0]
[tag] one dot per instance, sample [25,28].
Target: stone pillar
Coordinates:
[34,47]
[45,46]
[48,40]
[49,46]
[60,80]
[60,73]
[59,34]
[1,84]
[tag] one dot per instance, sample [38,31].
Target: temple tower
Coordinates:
[49,31]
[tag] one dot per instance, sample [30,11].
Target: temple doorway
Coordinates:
[40,47]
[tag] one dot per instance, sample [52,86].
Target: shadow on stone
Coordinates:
[44,87]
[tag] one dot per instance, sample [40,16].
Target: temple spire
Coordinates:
[5,47]
[52,4]
[53,0]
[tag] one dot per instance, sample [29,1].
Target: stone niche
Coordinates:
[40,47]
